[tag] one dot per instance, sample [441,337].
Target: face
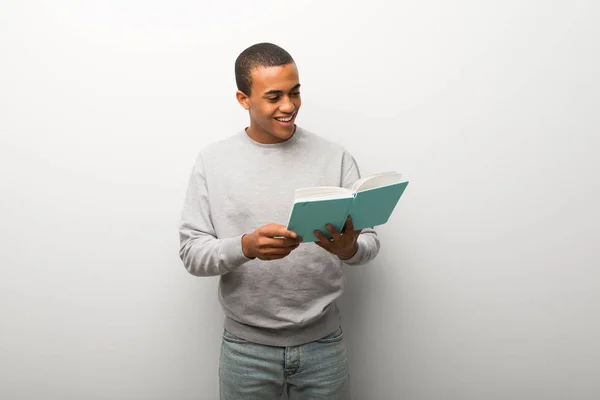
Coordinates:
[273,103]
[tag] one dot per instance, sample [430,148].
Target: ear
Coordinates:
[243,99]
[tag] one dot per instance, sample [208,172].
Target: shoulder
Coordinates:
[336,155]
[324,145]
[219,149]
[225,145]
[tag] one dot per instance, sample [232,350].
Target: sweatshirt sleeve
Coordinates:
[202,253]
[368,241]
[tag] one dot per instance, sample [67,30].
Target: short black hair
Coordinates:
[258,55]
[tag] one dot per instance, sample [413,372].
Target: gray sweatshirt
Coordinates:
[238,185]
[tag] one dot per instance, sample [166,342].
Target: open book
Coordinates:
[369,202]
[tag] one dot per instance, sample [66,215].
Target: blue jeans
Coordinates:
[315,370]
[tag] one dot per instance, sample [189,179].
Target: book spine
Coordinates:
[349,212]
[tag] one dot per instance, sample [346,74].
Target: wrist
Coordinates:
[349,254]
[246,246]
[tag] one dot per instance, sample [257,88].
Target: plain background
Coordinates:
[487,283]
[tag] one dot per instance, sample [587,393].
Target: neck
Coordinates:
[260,136]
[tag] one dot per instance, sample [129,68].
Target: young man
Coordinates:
[282,326]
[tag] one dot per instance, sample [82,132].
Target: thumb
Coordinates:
[277,230]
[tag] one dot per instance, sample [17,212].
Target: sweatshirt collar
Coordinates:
[287,143]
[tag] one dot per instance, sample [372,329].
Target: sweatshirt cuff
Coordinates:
[231,252]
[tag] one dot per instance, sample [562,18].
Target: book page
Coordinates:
[373,181]
[321,193]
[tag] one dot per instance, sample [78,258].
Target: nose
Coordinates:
[287,106]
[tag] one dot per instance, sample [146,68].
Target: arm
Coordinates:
[200,250]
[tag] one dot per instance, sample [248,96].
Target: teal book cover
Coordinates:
[368,208]
[374,207]
[308,216]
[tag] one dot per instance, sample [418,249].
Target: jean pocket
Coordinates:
[336,336]
[231,338]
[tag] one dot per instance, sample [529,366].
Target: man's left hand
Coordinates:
[342,245]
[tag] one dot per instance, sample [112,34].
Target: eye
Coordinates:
[273,99]
[295,94]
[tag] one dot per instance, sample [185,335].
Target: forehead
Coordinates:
[282,77]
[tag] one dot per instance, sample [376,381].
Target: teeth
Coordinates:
[284,119]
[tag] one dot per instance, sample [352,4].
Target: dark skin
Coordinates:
[344,245]
[273,105]
[275,93]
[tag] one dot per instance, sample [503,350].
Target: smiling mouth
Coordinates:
[286,119]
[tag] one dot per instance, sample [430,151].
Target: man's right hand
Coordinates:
[270,242]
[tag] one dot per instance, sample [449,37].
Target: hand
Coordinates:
[270,242]
[342,245]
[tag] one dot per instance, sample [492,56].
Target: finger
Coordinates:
[278,231]
[334,233]
[324,247]
[349,224]
[285,232]
[280,242]
[322,238]
[276,254]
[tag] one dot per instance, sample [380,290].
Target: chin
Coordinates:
[285,137]
[283,134]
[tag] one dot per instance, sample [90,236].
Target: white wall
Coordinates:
[487,284]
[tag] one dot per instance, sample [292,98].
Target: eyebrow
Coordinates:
[275,91]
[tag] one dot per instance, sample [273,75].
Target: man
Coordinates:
[282,326]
